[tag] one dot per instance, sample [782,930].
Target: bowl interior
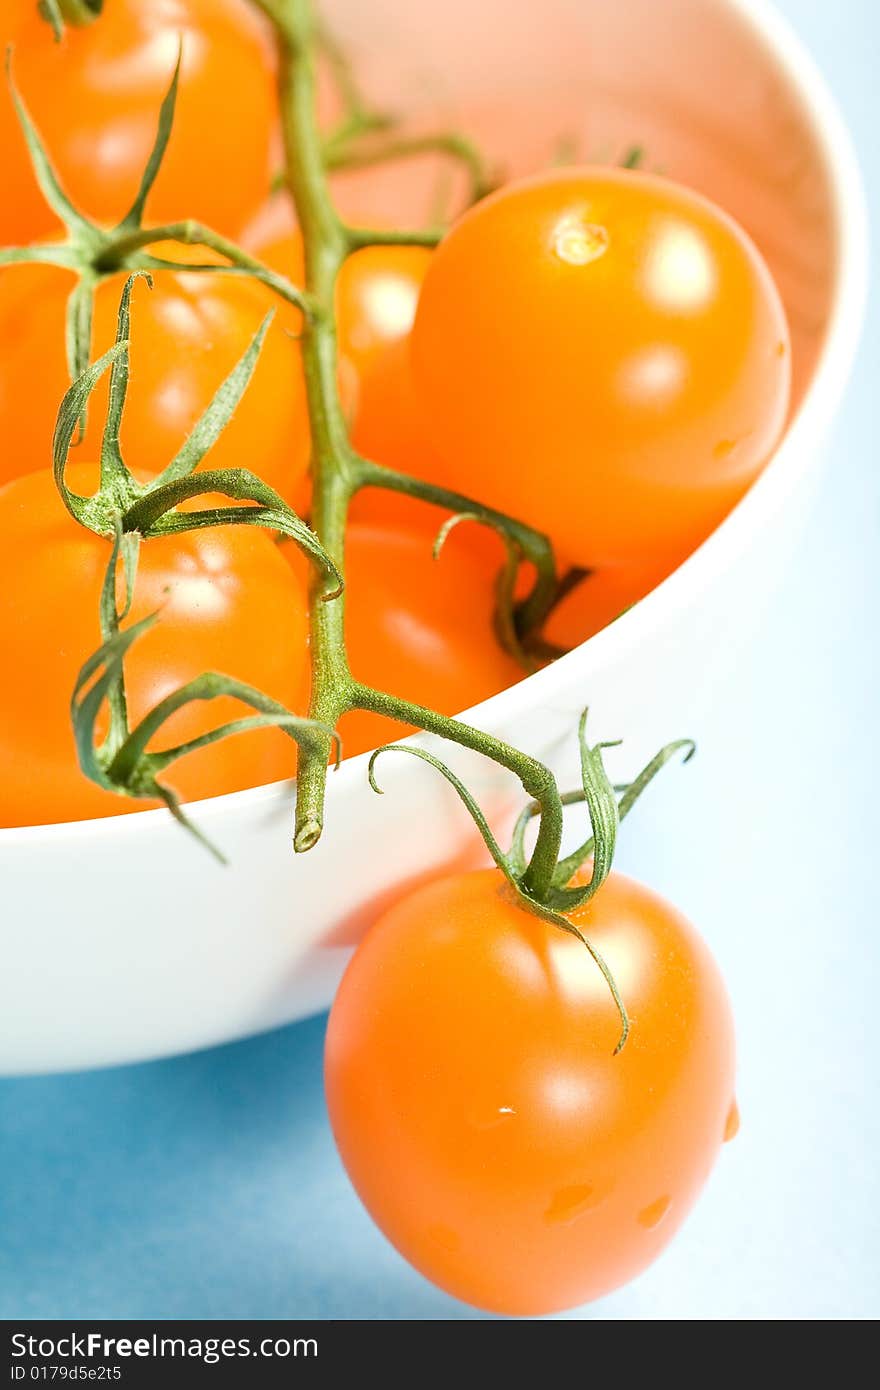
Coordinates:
[693,83]
[696,84]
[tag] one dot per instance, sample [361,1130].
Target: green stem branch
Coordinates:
[325,247]
[359,237]
[344,153]
[537,780]
[535,546]
[337,472]
[120,253]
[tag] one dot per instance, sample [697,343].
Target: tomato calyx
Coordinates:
[130,512]
[61,12]
[94,253]
[124,763]
[542,887]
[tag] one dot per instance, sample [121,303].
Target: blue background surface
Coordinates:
[208,1186]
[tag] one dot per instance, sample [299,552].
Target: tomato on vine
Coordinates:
[95,96]
[191,330]
[605,353]
[600,354]
[226,601]
[479,1107]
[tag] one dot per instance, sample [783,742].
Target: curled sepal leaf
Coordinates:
[89,511]
[217,414]
[50,10]
[466,796]
[601,803]
[61,12]
[113,469]
[126,548]
[129,549]
[563,922]
[96,678]
[517,854]
[134,216]
[135,771]
[505,583]
[630,793]
[536,547]
[633,158]
[153,513]
[78,333]
[44,172]
[128,767]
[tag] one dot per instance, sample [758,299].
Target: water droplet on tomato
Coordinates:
[570,1202]
[651,1216]
[724,448]
[731,1124]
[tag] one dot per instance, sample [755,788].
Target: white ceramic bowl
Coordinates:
[120,939]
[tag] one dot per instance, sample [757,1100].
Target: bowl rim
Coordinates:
[720,549]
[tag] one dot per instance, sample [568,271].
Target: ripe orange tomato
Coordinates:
[95,98]
[187,334]
[376,303]
[598,600]
[479,1109]
[227,601]
[603,353]
[389,425]
[417,627]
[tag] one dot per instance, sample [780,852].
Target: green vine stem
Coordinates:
[365,137]
[382,148]
[338,472]
[541,880]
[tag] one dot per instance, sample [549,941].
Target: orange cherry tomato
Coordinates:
[389,427]
[417,627]
[376,303]
[599,598]
[227,602]
[602,353]
[479,1109]
[95,98]
[187,334]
